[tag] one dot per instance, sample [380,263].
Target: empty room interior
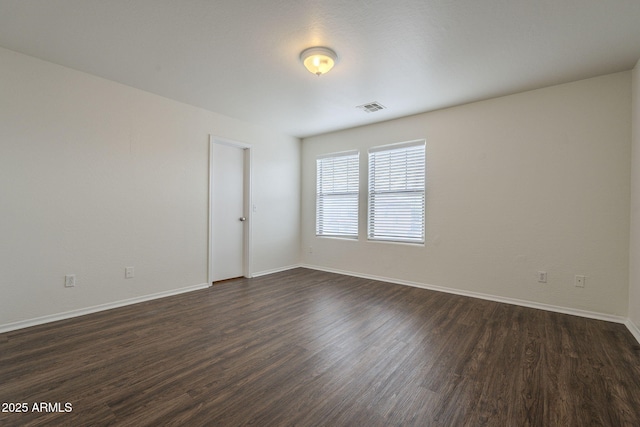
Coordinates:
[334,213]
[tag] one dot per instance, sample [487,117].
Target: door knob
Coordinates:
[243,219]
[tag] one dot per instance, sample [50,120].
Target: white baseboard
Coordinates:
[633,328]
[102,307]
[495,298]
[275,270]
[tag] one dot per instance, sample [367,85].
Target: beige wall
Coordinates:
[96,176]
[533,181]
[634,252]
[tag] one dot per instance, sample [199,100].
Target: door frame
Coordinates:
[247,202]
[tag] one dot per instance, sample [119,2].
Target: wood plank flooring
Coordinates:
[309,348]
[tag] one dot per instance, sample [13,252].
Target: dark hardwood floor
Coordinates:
[309,348]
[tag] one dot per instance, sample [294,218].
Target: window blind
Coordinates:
[396,209]
[337,182]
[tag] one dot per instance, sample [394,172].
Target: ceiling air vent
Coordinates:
[371,107]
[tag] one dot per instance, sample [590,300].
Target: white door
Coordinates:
[227,210]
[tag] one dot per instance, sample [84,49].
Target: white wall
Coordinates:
[96,176]
[527,182]
[634,248]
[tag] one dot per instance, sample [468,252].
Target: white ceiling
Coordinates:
[240,57]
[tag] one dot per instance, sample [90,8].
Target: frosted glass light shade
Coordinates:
[318,60]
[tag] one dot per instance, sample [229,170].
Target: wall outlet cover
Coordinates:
[542,276]
[69,280]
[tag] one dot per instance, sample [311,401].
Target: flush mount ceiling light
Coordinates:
[318,60]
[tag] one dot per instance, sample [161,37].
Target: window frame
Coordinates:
[353,191]
[374,235]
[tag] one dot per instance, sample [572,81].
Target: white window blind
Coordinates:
[337,182]
[397,192]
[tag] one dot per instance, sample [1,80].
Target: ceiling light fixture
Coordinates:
[318,60]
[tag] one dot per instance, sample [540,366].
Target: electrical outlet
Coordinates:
[69,280]
[580,281]
[129,272]
[542,276]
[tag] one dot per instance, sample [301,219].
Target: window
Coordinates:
[337,184]
[397,192]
